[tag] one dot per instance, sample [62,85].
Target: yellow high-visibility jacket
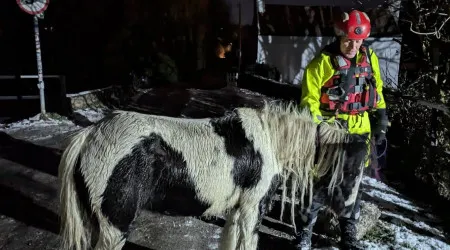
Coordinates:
[318,72]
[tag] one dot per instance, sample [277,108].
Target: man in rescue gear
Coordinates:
[343,85]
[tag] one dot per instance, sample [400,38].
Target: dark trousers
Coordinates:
[308,217]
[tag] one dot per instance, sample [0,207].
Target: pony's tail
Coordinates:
[72,230]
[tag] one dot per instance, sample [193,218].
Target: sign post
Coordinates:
[37,8]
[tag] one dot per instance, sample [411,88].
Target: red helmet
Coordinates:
[355,25]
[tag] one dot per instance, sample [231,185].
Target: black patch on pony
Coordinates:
[154,176]
[83,197]
[248,164]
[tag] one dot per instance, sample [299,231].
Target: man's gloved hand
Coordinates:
[380,126]
[380,135]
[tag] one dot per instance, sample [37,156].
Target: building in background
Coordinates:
[291,33]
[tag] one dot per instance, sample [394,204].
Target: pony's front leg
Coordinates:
[230,233]
[252,213]
[249,227]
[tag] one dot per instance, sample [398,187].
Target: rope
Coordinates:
[384,151]
[374,158]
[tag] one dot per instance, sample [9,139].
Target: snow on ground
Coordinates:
[93,115]
[400,233]
[35,121]
[407,239]
[394,199]
[377,184]
[416,224]
[36,129]
[404,238]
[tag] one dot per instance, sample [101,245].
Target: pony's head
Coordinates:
[315,156]
[309,153]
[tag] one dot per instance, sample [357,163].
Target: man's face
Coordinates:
[349,47]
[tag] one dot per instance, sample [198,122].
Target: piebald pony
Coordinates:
[230,166]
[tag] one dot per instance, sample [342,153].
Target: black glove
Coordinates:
[380,126]
[379,137]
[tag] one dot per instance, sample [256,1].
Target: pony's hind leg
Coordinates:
[109,236]
[230,233]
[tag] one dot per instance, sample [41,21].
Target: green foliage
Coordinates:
[380,233]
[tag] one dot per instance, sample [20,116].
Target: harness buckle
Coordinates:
[335,93]
[358,89]
[354,105]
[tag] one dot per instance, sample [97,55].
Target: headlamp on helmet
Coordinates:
[354,25]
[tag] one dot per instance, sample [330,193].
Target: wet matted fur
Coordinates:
[230,166]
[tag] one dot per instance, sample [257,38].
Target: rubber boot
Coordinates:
[348,235]
[303,240]
[305,222]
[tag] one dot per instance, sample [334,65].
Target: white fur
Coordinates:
[284,136]
[73,231]
[293,136]
[110,238]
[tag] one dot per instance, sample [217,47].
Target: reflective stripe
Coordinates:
[358,18]
[341,61]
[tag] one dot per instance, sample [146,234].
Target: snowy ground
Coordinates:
[403,224]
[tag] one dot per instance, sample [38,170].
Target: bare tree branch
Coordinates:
[437,32]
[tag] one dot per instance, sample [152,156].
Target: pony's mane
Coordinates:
[304,149]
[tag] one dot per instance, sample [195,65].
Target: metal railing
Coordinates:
[17,95]
[20,96]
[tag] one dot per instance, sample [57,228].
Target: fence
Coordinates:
[19,95]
